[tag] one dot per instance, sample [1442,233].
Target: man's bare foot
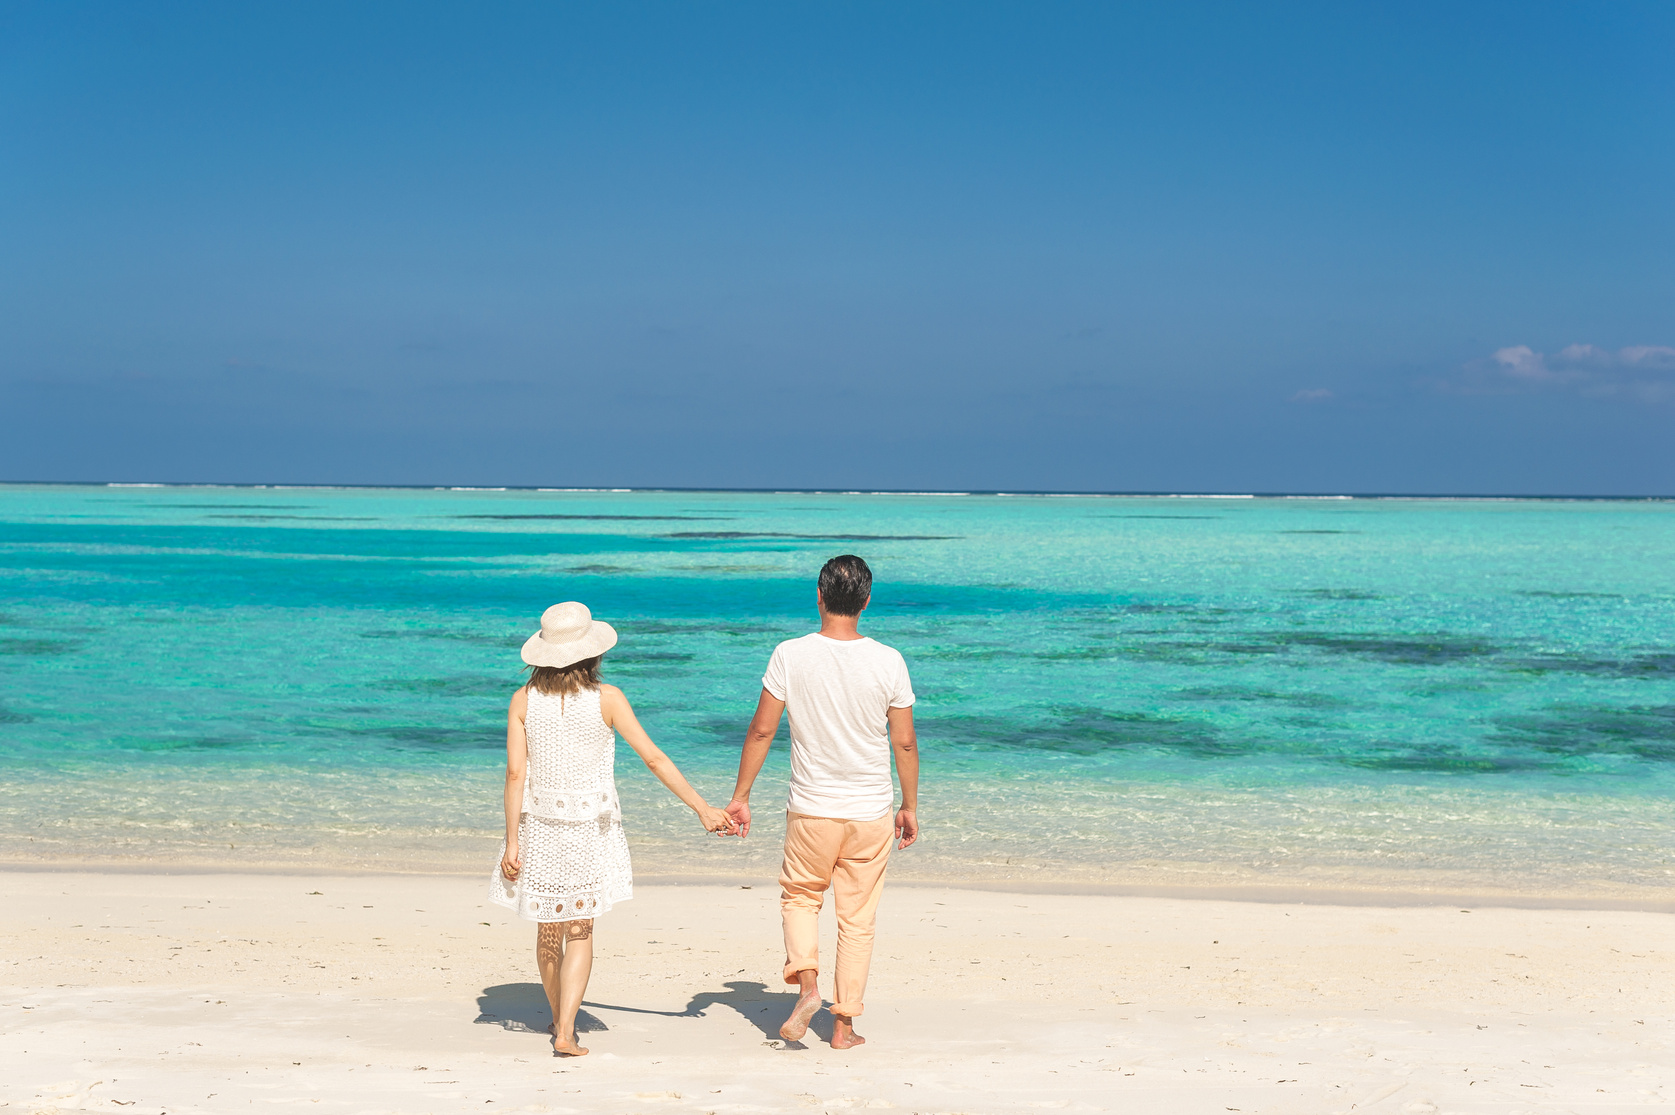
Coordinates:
[843,1033]
[797,1025]
[563,1048]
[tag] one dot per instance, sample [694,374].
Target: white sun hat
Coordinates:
[568,634]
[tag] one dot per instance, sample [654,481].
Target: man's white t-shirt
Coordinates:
[838,692]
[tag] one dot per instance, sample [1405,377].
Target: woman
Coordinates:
[565,859]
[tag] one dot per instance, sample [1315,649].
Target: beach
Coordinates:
[1251,805]
[1170,508]
[357,993]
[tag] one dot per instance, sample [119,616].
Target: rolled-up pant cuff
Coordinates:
[848,1010]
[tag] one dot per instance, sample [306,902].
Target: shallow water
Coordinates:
[1407,693]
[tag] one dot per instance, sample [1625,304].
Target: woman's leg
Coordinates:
[564,954]
[574,968]
[549,956]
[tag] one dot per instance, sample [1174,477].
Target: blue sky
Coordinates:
[1403,247]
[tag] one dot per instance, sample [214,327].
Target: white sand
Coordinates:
[214,993]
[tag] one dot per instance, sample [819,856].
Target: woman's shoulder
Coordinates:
[520,699]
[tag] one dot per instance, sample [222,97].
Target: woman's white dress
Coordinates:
[573,852]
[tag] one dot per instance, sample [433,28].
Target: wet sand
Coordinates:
[404,993]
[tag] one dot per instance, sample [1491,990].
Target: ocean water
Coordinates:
[1411,694]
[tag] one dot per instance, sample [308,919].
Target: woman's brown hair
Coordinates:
[565,681]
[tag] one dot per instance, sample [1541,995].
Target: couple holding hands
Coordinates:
[565,859]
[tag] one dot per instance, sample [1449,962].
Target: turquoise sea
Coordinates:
[1402,693]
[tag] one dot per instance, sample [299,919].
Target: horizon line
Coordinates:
[1015,492]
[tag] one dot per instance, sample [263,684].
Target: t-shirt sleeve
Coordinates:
[774,680]
[901,686]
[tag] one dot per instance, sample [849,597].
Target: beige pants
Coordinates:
[849,857]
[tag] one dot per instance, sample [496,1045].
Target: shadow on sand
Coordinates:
[766,1010]
[523,1007]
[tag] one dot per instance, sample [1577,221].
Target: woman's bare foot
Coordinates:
[797,1025]
[562,1048]
[843,1033]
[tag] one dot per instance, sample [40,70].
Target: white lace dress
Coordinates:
[574,855]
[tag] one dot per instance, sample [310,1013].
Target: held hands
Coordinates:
[715,820]
[739,811]
[510,864]
[907,828]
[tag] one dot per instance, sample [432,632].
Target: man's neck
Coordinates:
[842,628]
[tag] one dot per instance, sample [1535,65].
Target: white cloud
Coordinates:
[1649,356]
[1641,372]
[1523,362]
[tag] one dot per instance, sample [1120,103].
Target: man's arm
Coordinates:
[905,744]
[757,739]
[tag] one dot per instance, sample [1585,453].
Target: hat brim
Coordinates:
[600,638]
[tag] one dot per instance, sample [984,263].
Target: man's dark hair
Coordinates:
[845,584]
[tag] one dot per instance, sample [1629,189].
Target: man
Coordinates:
[851,706]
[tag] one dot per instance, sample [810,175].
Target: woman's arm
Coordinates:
[619,715]
[517,768]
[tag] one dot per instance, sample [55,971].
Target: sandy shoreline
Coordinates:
[1331,892]
[732,864]
[197,992]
